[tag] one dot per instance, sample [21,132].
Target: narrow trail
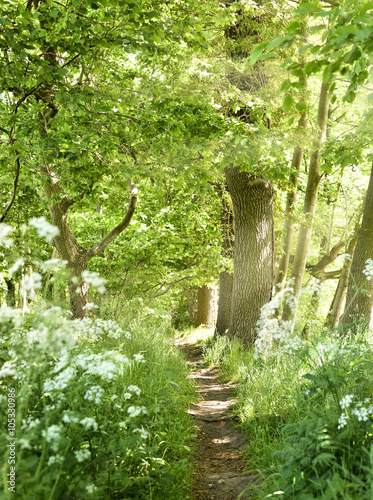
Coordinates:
[220,468]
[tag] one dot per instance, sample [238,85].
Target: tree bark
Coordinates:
[309,207]
[206,305]
[359,299]
[336,305]
[252,199]
[225,278]
[291,197]
[68,247]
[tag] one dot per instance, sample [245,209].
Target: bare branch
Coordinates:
[167,289]
[118,229]
[327,259]
[15,186]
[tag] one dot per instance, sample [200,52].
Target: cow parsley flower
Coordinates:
[342,421]
[5,229]
[44,228]
[55,459]
[346,401]
[52,435]
[368,270]
[135,411]
[89,423]
[91,488]
[94,393]
[82,455]
[139,358]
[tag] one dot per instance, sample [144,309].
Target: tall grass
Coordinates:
[308,414]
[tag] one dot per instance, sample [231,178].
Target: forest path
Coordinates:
[220,468]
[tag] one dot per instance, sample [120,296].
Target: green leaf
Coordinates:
[307,8]
[312,67]
[285,86]
[301,106]
[299,73]
[257,52]
[288,102]
[365,7]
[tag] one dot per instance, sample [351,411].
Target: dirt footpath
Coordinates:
[221,472]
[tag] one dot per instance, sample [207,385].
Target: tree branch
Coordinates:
[118,229]
[167,289]
[15,186]
[326,260]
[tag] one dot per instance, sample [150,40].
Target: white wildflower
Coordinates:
[82,455]
[127,395]
[44,228]
[18,263]
[362,413]
[346,401]
[139,358]
[24,444]
[143,433]
[52,435]
[342,421]
[55,459]
[90,488]
[89,423]
[368,270]
[135,389]
[94,393]
[95,280]
[4,231]
[135,411]
[69,417]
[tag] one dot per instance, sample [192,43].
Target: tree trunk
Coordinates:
[225,302]
[314,178]
[11,293]
[291,197]
[192,305]
[336,305]
[225,278]
[68,247]
[206,306]
[359,299]
[252,199]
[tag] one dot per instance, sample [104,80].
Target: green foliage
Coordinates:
[100,411]
[308,410]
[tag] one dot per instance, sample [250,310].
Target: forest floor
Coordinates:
[221,473]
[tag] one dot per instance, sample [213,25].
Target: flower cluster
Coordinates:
[271,328]
[359,410]
[368,270]
[44,228]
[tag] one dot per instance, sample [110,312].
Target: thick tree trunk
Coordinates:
[291,198]
[314,178]
[359,299]
[254,251]
[225,278]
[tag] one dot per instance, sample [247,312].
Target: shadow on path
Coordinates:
[220,468]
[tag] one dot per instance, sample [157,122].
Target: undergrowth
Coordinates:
[99,410]
[307,409]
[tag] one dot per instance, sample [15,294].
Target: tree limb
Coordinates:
[327,259]
[167,289]
[118,229]
[15,186]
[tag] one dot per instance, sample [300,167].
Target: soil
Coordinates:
[221,471]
